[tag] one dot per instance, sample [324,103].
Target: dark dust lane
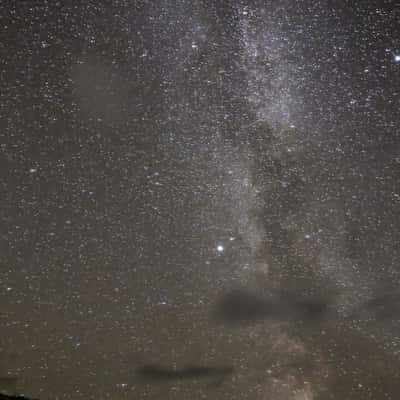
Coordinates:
[203,191]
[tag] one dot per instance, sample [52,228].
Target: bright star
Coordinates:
[220,248]
[397,57]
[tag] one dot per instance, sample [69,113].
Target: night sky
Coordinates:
[158,156]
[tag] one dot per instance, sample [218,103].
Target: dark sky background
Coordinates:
[155,156]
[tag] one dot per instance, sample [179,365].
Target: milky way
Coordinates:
[158,158]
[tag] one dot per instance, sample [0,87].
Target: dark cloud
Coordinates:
[156,373]
[242,306]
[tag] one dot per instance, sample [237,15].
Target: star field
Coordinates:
[156,156]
